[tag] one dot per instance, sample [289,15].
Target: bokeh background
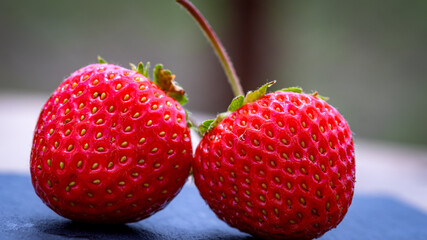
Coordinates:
[369,57]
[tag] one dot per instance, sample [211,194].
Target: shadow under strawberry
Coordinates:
[74,230]
[69,230]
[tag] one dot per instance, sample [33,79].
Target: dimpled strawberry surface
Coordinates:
[281,167]
[109,147]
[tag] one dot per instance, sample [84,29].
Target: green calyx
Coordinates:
[208,125]
[235,104]
[164,79]
[250,97]
[299,90]
[101,60]
[141,69]
[292,89]
[315,94]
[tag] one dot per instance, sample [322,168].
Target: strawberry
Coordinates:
[110,146]
[277,166]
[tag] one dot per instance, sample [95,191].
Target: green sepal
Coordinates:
[133,67]
[323,98]
[146,69]
[165,80]
[292,89]
[143,70]
[156,74]
[140,68]
[218,119]
[101,60]
[210,124]
[236,103]
[180,98]
[315,94]
[252,96]
[299,90]
[205,125]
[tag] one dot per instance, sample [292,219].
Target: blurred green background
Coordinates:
[369,57]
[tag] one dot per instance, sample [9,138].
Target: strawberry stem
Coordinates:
[227,65]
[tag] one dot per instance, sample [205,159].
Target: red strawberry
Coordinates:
[279,167]
[110,146]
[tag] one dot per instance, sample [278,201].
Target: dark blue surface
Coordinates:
[24,216]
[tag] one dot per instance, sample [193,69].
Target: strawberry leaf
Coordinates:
[323,98]
[140,68]
[133,67]
[146,69]
[157,73]
[204,127]
[182,99]
[208,125]
[315,94]
[299,90]
[143,70]
[165,80]
[236,103]
[218,119]
[101,60]
[252,96]
[292,89]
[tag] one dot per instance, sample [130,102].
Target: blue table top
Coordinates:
[24,216]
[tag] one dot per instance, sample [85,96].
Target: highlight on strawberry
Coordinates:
[111,146]
[279,165]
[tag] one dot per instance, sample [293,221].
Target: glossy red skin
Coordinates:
[130,189]
[242,174]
